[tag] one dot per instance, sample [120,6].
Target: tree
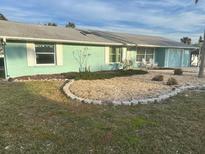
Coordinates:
[186,40]
[200,39]
[70,25]
[51,24]
[81,57]
[2,17]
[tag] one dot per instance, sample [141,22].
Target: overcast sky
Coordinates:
[169,18]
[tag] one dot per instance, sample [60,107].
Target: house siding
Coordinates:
[17,65]
[186,61]
[177,58]
[160,56]
[17,59]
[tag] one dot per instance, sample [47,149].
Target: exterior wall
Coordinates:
[186,61]
[177,58]
[17,63]
[160,56]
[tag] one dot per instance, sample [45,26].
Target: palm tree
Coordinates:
[186,40]
[2,17]
[70,25]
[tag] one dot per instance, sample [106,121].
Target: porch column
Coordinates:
[124,53]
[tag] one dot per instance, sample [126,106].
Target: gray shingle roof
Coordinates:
[14,30]
[141,40]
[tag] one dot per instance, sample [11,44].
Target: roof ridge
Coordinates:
[37,25]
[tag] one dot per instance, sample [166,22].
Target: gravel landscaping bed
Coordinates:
[131,88]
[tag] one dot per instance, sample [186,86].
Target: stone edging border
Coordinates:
[154,99]
[30,80]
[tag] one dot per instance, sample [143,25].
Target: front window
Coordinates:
[145,54]
[115,55]
[45,53]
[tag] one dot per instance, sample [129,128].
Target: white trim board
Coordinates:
[88,42]
[157,46]
[59,40]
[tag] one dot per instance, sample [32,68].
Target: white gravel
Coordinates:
[129,88]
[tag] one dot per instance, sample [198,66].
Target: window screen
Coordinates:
[45,54]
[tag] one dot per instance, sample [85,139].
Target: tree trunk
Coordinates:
[201,68]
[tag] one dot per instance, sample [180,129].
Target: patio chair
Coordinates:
[152,64]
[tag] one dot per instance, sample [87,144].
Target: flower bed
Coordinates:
[133,89]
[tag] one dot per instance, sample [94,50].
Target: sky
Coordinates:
[169,18]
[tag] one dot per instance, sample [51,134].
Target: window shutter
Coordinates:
[31,55]
[59,54]
[107,51]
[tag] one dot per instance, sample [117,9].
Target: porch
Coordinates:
[162,57]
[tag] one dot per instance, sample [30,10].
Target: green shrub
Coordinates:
[172,81]
[178,72]
[107,74]
[158,78]
[85,75]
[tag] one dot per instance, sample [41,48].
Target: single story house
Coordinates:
[37,49]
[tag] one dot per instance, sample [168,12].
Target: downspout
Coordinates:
[5,61]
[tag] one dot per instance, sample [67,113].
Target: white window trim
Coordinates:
[31,55]
[59,54]
[111,63]
[48,64]
[44,65]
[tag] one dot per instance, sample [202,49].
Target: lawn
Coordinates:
[35,117]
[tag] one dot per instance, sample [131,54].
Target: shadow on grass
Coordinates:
[36,118]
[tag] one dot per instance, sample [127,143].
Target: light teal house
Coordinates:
[36,49]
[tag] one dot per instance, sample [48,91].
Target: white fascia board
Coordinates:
[129,44]
[157,46]
[58,40]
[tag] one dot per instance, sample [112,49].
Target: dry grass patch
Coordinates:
[36,118]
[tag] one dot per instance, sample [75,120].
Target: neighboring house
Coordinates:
[37,49]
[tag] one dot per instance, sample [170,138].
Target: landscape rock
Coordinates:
[129,90]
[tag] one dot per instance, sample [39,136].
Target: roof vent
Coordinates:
[84,32]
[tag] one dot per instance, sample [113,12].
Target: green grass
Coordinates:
[36,118]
